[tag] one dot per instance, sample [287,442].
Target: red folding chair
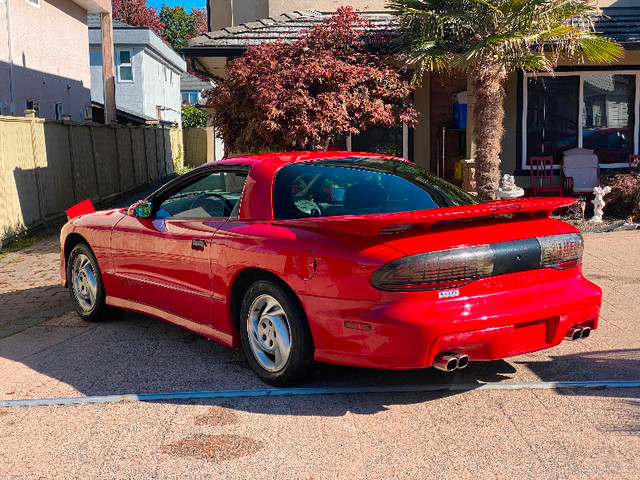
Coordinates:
[542,177]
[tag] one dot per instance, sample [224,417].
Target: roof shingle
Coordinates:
[621,24]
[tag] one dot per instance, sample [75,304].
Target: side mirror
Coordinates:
[141,209]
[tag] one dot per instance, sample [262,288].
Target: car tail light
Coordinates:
[434,270]
[561,251]
[458,266]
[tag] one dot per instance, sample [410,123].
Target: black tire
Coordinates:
[85,284]
[269,314]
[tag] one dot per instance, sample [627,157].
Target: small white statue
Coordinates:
[598,203]
[509,189]
[508,182]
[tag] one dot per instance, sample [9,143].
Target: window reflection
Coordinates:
[608,120]
[552,113]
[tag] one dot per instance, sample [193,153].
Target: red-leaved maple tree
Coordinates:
[301,95]
[137,14]
[200,20]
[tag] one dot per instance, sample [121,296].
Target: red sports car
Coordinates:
[350,258]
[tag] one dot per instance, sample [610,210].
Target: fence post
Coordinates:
[133,155]
[158,160]
[3,190]
[72,164]
[95,161]
[30,114]
[115,136]
[167,162]
[146,158]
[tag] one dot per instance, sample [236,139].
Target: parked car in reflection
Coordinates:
[349,258]
[610,144]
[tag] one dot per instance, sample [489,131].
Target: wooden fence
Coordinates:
[201,146]
[48,166]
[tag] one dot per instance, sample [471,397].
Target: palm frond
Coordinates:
[599,49]
[530,62]
[489,5]
[516,34]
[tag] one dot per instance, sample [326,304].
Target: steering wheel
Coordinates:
[203,201]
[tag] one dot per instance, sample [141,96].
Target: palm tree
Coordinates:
[488,39]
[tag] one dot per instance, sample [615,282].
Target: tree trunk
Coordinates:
[488,117]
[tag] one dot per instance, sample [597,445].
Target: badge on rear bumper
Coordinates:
[449,294]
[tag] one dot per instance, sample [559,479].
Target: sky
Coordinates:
[188,4]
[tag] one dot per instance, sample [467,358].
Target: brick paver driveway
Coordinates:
[47,352]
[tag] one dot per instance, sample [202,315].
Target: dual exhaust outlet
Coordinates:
[448,362]
[576,333]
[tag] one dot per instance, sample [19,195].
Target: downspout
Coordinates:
[11,72]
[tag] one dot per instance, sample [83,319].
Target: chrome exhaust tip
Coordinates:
[445,362]
[574,333]
[586,331]
[463,360]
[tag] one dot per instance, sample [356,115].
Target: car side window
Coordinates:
[216,195]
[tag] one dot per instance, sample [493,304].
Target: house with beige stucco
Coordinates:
[44,56]
[589,106]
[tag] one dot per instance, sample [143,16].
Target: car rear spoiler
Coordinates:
[381,223]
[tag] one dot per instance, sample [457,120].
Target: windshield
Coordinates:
[361,185]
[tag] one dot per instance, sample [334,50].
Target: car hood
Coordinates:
[99,218]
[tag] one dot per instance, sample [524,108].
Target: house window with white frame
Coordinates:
[58,111]
[124,66]
[33,104]
[593,110]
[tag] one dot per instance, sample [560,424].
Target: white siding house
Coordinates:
[147,72]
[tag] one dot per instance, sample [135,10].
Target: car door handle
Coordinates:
[197,244]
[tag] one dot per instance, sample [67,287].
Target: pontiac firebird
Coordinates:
[356,259]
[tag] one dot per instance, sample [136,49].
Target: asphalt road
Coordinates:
[468,431]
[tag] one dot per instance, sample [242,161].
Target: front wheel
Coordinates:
[275,335]
[85,283]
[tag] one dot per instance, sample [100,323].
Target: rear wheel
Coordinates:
[275,335]
[85,283]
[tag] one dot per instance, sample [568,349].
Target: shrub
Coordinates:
[624,199]
[193,117]
[576,211]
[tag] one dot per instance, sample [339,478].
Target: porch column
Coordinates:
[471,99]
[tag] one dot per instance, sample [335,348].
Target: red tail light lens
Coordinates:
[561,251]
[458,266]
[434,270]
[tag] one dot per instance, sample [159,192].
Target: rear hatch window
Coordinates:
[358,186]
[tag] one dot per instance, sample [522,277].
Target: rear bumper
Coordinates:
[407,330]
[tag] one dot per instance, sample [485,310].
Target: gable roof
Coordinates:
[621,24]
